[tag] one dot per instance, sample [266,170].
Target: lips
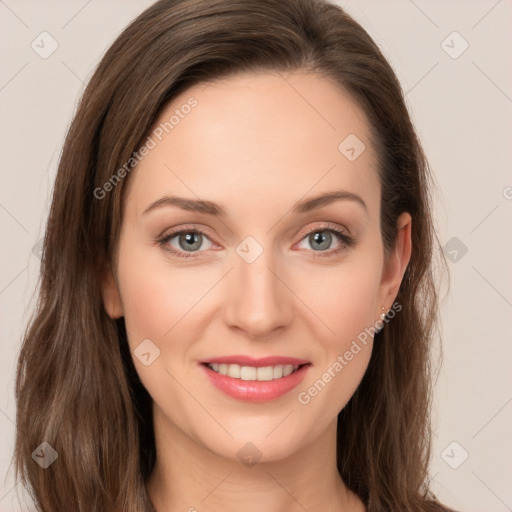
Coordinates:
[252,389]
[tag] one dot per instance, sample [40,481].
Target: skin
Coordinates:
[255,144]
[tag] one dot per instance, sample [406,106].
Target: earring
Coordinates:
[382,315]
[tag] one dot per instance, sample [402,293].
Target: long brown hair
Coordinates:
[77,388]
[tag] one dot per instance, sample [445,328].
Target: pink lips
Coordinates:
[254,390]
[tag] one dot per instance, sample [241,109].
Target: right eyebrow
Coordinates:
[192,205]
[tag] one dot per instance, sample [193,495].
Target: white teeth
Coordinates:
[247,373]
[278,371]
[287,369]
[262,373]
[233,371]
[265,373]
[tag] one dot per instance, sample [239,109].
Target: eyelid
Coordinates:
[184,228]
[323,226]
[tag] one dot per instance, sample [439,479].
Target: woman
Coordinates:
[194,348]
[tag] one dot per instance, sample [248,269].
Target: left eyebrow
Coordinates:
[327,198]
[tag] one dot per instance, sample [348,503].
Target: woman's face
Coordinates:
[258,270]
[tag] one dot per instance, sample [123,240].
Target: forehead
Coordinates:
[260,136]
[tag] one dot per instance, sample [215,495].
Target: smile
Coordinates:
[254,383]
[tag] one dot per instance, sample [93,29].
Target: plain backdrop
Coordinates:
[459,91]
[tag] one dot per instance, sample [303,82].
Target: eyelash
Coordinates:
[345,240]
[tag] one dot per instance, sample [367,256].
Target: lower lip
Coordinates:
[255,390]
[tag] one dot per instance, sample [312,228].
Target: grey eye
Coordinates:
[188,241]
[322,238]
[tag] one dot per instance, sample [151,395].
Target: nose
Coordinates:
[259,302]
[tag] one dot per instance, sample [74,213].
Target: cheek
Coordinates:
[161,305]
[347,309]
[343,297]
[155,296]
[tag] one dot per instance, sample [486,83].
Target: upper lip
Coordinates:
[256,362]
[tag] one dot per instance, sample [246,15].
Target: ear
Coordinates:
[111,296]
[397,263]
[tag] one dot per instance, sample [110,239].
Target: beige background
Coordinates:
[462,110]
